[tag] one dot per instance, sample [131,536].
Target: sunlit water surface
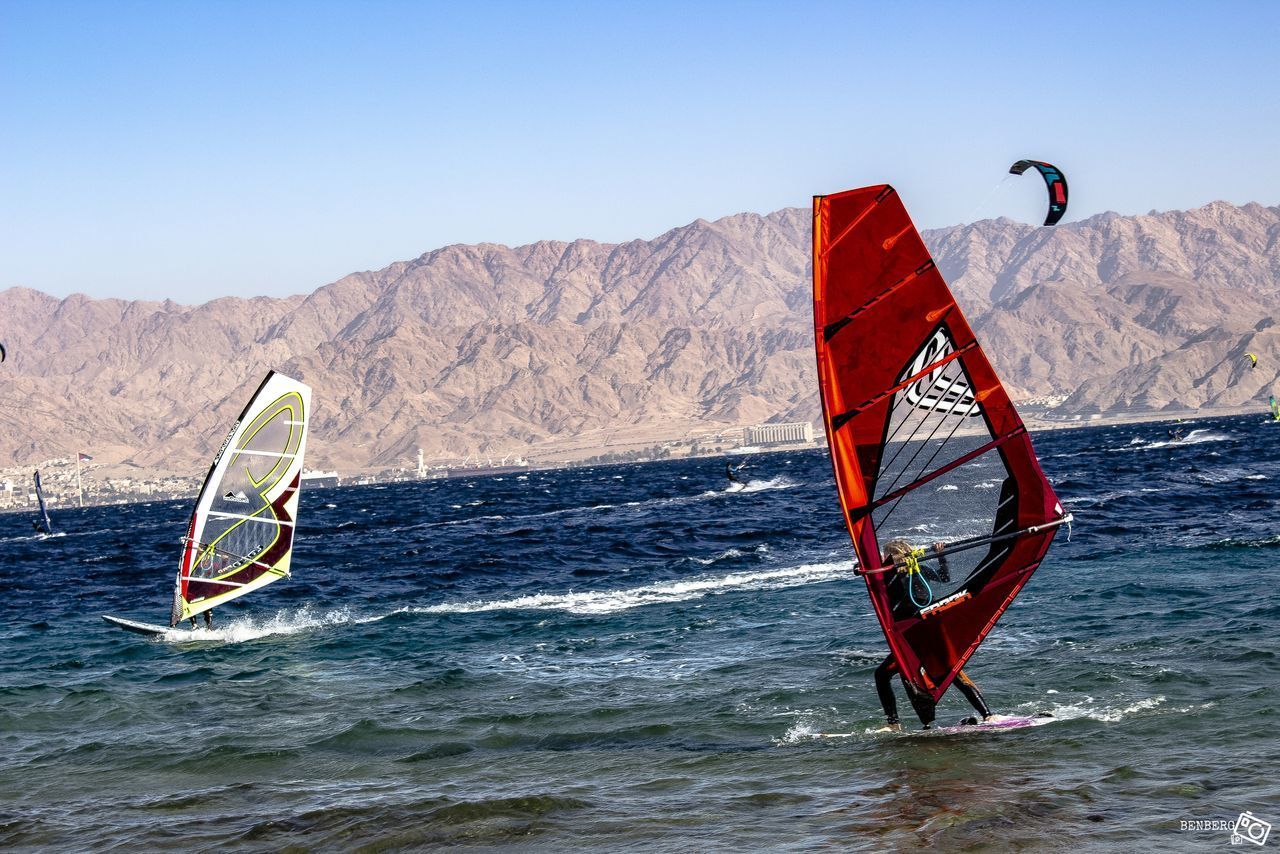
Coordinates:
[634,656]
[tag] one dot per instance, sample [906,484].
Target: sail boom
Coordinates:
[977,542]
[216,581]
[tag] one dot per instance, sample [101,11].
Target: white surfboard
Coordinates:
[136,627]
[995,722]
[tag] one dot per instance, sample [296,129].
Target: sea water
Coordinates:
[635,656]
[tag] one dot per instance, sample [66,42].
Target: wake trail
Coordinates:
[1195,437]
[283,623]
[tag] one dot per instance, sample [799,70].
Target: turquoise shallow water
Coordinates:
[632,656]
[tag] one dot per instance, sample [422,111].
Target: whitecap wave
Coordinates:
[1093,710]
[779,482]
[798,734]
[727,554]
[610,601]
[1195,437]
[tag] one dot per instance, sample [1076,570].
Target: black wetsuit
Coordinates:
[901,606]
[921,703]
[731,474]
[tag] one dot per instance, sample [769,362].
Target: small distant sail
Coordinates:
[44,510]
[923,438]
[241,533]
[1253,359]
[1275,407]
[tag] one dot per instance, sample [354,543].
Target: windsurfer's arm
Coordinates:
[944,569]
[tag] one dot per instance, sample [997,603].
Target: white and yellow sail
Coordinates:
[241,533]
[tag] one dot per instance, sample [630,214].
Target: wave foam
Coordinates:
[1195,437]
[244,629]
[1107,714]
[610,601]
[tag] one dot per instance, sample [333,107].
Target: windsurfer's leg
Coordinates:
[884,687]
[972,694]
[921,702]
[208,619]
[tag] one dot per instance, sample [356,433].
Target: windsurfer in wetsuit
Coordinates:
[903,587]
[208,620]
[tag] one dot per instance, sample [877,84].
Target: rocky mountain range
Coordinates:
[495,349]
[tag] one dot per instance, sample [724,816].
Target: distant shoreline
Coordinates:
[551,461]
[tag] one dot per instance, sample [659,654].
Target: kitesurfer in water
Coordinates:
[731,473]
[903,557]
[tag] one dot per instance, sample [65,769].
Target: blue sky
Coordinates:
[196,150]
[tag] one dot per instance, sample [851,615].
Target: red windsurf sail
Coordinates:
[926,445]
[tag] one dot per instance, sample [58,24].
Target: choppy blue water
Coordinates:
[631,655]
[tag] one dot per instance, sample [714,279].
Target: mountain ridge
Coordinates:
[482,348]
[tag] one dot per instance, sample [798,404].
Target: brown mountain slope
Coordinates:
[489,348]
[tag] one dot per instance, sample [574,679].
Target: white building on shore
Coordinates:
[766,435]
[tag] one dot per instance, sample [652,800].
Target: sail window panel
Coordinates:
[966,503]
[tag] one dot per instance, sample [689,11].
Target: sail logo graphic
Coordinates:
[237,497]
[943,604]
[943,389]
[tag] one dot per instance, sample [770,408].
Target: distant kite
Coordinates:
[1054,181]
[2,354]
[1253,360]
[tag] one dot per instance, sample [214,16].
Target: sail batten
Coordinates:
[241,533]
[933,451]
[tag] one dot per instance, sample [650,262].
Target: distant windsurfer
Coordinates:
[905,590]
[39,528]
